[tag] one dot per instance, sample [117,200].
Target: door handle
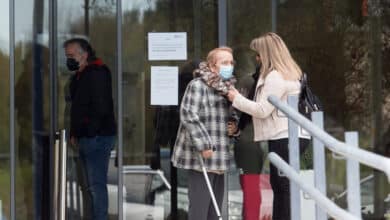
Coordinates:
[60,157]
[63,158]
[56,176]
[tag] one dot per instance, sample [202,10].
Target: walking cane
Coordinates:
[206,177]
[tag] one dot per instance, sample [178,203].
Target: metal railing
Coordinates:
[326,204]
[348,150]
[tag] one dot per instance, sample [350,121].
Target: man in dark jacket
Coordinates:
[92,122]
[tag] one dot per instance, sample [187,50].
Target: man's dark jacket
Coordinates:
[92,109]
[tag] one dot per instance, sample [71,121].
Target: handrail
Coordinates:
[363,156]
[325,203]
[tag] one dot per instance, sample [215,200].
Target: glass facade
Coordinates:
[5,174]
[343,46]
[32,108]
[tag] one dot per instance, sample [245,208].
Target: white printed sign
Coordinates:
[167,46]
[164,85]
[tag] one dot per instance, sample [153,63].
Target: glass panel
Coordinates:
[32,108]
[247,20]
[150,131]
[96,22]
[343,46]
[4,113]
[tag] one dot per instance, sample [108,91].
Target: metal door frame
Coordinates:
[12,103]
[53,42]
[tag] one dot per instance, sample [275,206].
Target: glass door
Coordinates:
[149,131]
[96,22]
[41,106]
[249,178]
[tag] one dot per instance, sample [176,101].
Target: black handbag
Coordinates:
[308,102]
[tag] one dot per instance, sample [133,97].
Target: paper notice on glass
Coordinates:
[164,85]
[167,46]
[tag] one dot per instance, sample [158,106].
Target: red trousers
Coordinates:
[250,184]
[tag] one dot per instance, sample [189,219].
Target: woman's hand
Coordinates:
[231,128]
[232,94]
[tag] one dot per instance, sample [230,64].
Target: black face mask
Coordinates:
[72,64]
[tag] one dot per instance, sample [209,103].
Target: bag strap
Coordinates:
[303,81]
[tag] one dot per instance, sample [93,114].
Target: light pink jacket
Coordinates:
[268,122]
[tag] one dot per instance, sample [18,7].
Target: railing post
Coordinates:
[363,156]
[293,147]
[334,211]
[319,163]
[353,177]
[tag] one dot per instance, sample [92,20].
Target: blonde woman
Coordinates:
[279,76]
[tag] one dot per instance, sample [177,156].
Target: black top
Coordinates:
[248,155]
[245,118]
[92,109]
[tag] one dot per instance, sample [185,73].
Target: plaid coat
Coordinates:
[203,125]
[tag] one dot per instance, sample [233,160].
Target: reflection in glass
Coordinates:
[4,113]
[32,109]
[337,44]
[246,21]
[96,22]
[343,47]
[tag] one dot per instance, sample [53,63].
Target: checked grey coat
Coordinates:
[204,115]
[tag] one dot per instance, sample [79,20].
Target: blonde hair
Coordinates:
[211,57]
[274,55]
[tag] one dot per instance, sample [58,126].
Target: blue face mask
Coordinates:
[226,71]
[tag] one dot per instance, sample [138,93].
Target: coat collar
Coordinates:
[260,82]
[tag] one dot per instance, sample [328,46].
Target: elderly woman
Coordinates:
[205,114]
